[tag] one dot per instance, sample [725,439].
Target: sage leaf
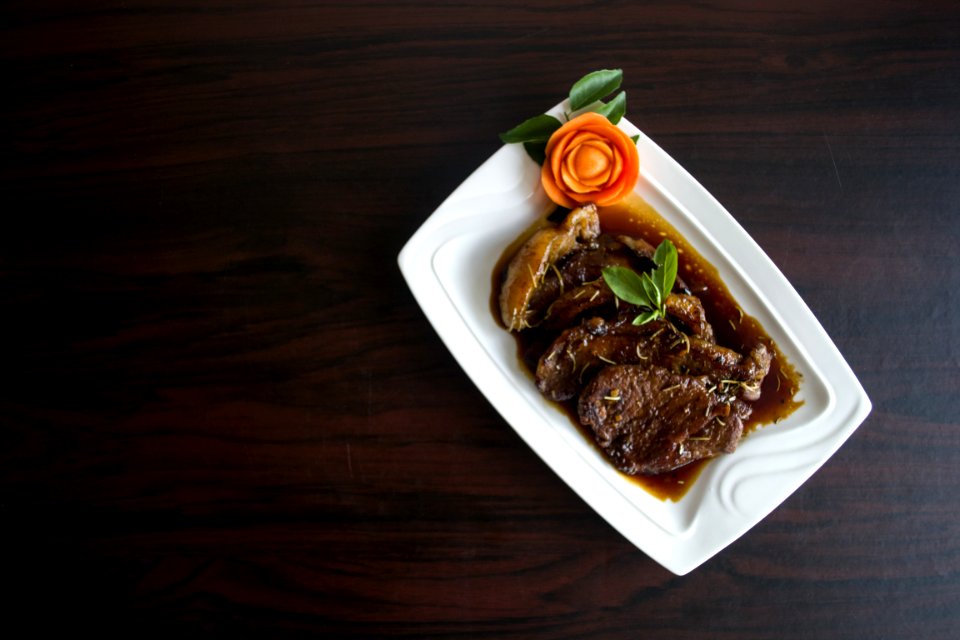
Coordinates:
[615,109]
[649,289]
[646,317]
[626,285]
[661,251]
[666,272]
[594,86]
[536,129]
[653,293]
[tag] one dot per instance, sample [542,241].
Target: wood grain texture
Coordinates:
[223,412]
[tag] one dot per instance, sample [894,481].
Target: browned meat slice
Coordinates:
[689,311]
[580,286]
[735,375]
[587,265]
[578,353]
[571,289]
[530,264]
[650,420]
[593,296]
[639,246]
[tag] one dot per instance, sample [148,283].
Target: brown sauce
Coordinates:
[732,328]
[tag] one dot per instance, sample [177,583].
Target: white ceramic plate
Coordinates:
[448,265]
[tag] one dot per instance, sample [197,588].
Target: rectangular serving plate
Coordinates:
[448,265]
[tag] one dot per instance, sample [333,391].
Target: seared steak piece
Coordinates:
[595,297]
[576,285]
[736,375]
[578,353]
[558,298]
[611,250]
[689,311]
[587,265]
[650,420]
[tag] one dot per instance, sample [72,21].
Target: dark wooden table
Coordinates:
[223,412]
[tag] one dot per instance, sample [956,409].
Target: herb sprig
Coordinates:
[649,289]
[586,94]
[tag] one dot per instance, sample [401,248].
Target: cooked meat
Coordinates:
[528,267]
[650,420]
[639,246]
[576,285]
[594,296]
[587,265]
[578,353]
[566,263]
[689,311]
[735,374]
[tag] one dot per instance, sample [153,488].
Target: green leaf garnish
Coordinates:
[661,252]
[653,293]
[635,138]
[646,317]
[586,94]
[626,285]
[649,290]
[666,272]
[615,109]
[594,86]
[536,129]
[537,151]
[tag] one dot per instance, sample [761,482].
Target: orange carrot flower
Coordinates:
[589,160]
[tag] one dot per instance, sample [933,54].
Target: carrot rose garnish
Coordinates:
[588,159]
